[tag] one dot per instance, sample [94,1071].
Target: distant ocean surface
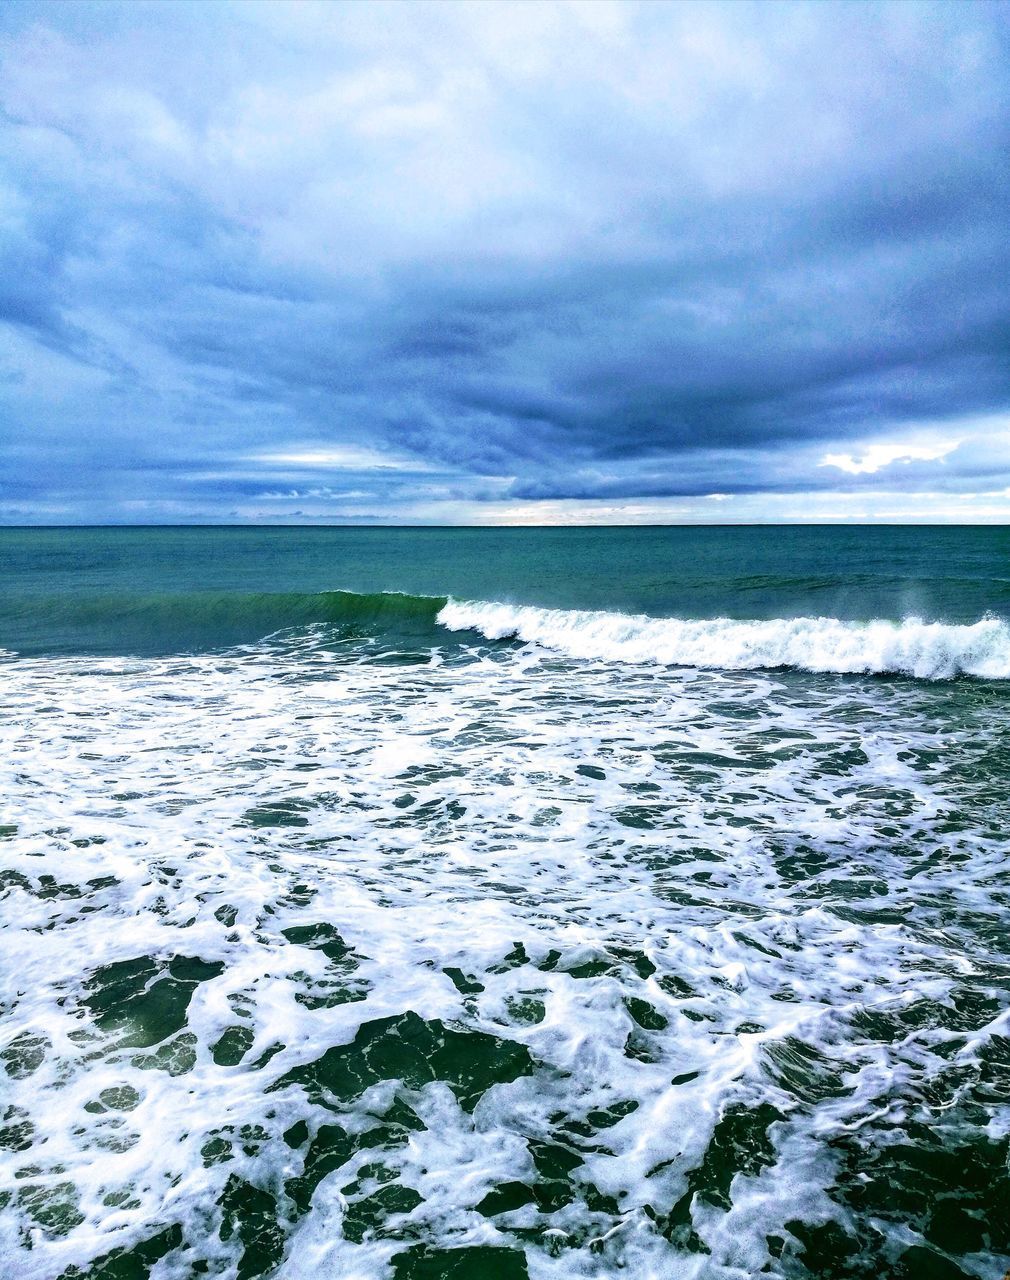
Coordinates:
[474,903]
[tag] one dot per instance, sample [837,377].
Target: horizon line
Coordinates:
[664,524]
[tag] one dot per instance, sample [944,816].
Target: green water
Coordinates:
[159,590]
[602,903]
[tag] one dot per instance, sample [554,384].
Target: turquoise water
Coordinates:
[504,903]
[162,590]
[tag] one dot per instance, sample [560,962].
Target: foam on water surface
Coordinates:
[928,650]
[481,963]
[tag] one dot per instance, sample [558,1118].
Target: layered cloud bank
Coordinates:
[504,262]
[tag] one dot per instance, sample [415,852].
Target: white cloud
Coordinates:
[876,456]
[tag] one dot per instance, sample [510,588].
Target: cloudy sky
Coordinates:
[504,262]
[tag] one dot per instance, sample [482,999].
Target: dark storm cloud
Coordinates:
[540,252]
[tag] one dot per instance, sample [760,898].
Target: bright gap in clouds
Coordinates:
[341,458]
[877,456]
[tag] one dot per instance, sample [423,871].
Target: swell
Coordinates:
[193,621]
[926,650]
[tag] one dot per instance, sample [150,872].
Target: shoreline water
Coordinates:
[382,949]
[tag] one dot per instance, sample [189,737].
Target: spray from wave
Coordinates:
[926,650]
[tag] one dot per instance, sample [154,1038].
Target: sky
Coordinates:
[497,263]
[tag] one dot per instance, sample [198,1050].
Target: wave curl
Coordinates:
[926,650]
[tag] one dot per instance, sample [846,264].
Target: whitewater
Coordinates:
[684,958]
[927,650]
[615,904]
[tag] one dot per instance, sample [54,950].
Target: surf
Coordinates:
[911,647]
[204,621]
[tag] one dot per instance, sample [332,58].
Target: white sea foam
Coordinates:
[695,897]
[928,650]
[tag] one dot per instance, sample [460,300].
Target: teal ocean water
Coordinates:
[514,903]
[148,591]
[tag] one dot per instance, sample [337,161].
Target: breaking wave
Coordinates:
[206,621]
[926,650]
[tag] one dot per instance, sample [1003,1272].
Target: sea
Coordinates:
[490,904]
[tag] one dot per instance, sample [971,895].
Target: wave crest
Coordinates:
[926,650]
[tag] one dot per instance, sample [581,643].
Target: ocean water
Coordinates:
[451,904]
